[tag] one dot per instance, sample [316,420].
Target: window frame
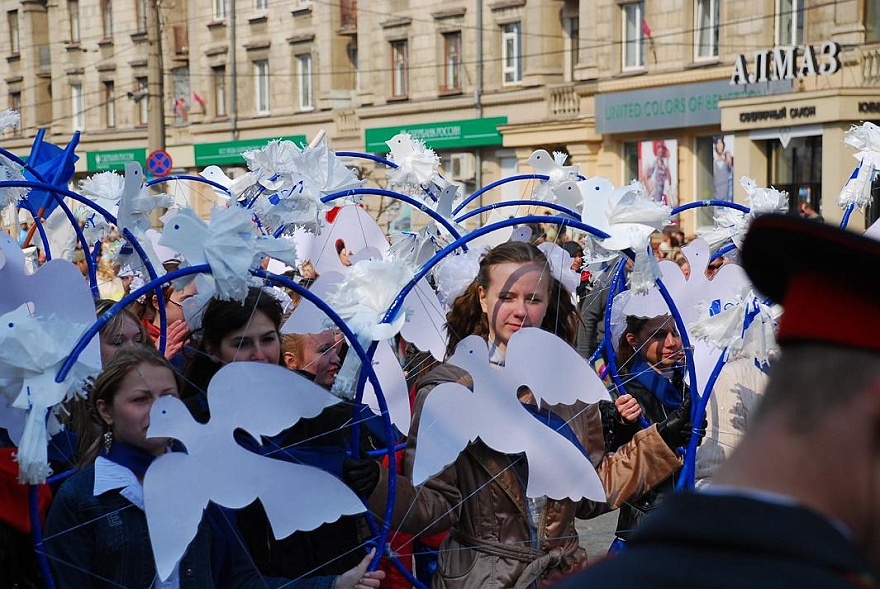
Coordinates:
[140,11]
[452,62]
[107,19]
[511,53]
[262,88]
[795,35]
[74,21]
[219,9]
[306,89]
[15,104]
[399,68]
[143,103]
[109,104]
[218,87]
[637,43]
[713,30]
[77,107]
[14,32]
[261,5]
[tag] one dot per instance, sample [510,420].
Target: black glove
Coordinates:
[677,428]
[361,475]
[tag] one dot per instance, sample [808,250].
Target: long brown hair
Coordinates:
[625,351]
[107,385]
[466,316]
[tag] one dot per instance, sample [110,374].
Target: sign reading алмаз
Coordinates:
[787,63]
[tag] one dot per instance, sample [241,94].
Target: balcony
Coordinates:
[348,15]
[563,101]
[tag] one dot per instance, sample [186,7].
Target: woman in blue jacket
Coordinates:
[96,532]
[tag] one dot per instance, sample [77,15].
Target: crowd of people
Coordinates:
[486,530]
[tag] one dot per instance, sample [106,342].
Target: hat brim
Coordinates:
[778,246]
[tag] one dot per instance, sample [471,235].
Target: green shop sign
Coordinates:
[101,161]
[446,135]
[227,153]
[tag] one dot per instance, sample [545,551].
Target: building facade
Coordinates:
[686,95]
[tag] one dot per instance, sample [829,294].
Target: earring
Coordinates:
[108,441]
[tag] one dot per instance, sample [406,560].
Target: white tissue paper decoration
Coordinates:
[9,170]
[229,244]
[555,169]
[453,416]
[57,290]
[365,294]
[733,225]
[728,330]
[857,190]
[416,164]
[454,273]
[235,187]
[133,212]
[216,468]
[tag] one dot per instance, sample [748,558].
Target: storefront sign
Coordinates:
[102,161]
[778,114]
[228,153]
[445,135]
[787,63]
[672,107]
[869,107]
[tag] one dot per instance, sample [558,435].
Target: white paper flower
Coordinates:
[453,274]
[416,164]
[745,329]
[9,170]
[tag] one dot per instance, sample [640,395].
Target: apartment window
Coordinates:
[261,86]
[872,21]
[573,46]
[14,45]
[15,104]
[73,15]
[107,18]
[109,104]
[143,101]
[789,22]
[220,9]
[707,14]
[304,74]
[399,69]
[218,77]
[140,9]
[353,59]
[261,5]
[633,35]
[511,53]
[77,107]
[452,61]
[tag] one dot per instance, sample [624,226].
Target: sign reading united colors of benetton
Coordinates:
[787,63]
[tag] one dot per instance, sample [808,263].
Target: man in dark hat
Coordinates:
[798,503]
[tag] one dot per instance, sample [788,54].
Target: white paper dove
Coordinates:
[215,468]
[453,416]
[560,265]
[32,351]
[235,187]
[416,164]
[57,288]
[454,273]
[627,215]
[555,169]
[229,244]
[857,190]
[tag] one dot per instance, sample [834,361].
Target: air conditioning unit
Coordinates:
[462,166]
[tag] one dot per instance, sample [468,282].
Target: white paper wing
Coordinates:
[280,399]
[425,325]
[393,384]
[554,372]
[448,423]
[172,517]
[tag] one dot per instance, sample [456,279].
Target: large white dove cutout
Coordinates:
[133,213]
[556,171]
[215,468]
[453,416]
[56,289]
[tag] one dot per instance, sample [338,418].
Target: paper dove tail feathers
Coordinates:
[32,455]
